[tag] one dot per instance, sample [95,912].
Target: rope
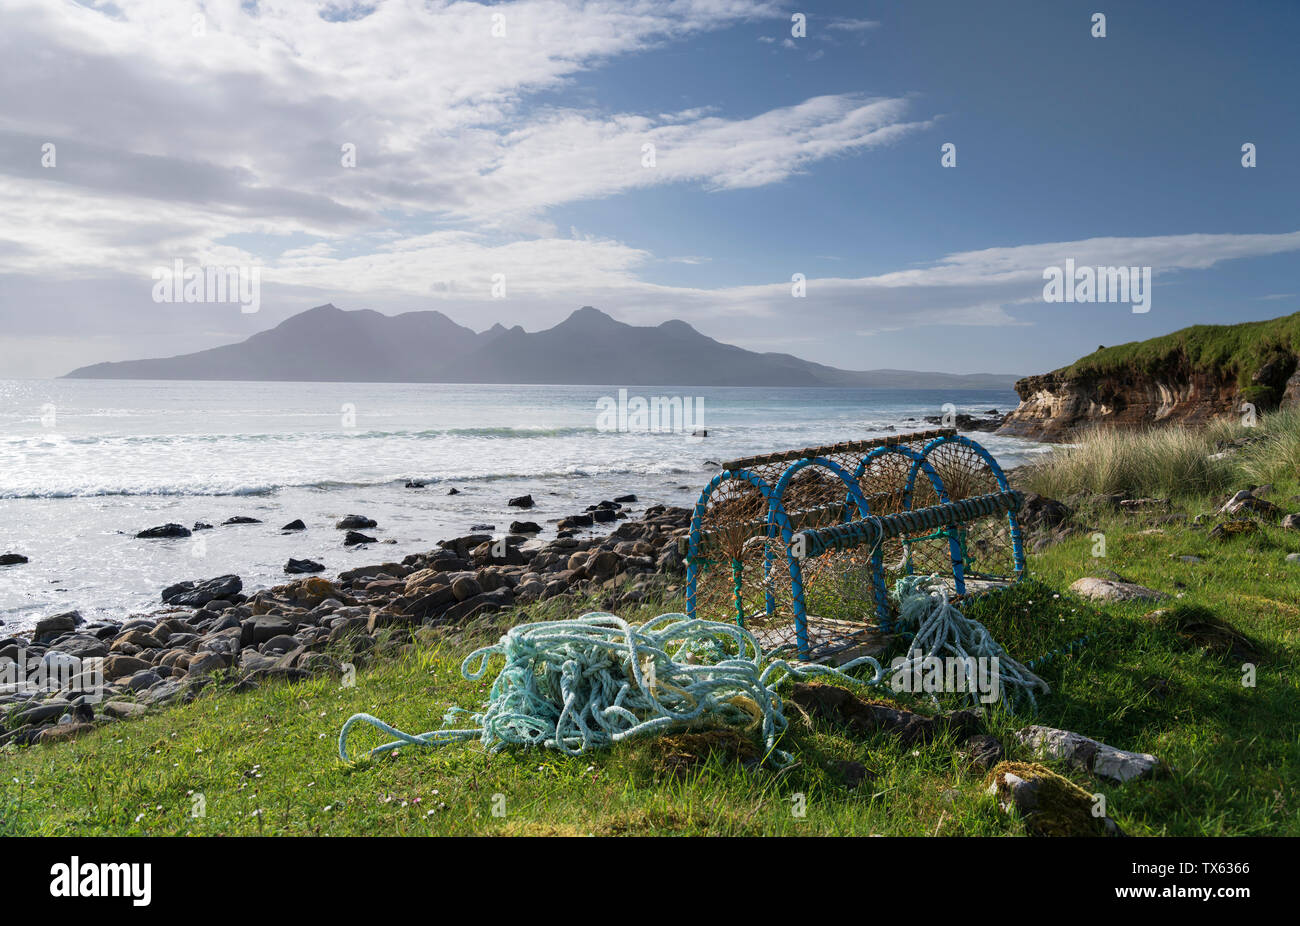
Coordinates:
[942,630]
[582,684]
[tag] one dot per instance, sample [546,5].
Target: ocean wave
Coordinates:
[329,485]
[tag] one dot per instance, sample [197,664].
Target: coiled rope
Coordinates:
[941,630]
[582,684]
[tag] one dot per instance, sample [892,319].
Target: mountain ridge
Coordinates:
[589,347]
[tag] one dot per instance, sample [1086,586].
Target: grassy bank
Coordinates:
[264,761]
[1173,461]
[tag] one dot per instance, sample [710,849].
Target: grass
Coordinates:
[264,761]
[1172,461]
[1224,351]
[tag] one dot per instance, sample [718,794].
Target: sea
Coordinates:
[86,464]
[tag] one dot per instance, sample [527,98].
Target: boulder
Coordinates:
[164,530]
[296,525]
[1049,804]
[299,566]
[259,629]
[197,594]
[125,710]
[47,628]
[522,501]
[1226,530]
[1111,590]
[12,559]
[82,646]
[525,527]
[120,665]
[465,587]
[355,522]
[352,538]
[1291,522]
[1088,754]
[241,519]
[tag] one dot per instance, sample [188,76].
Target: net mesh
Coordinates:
[743,570]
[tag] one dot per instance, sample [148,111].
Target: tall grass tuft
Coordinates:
[1172,461]
[1275,456]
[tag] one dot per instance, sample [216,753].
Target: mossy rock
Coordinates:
[1050,804]
[1226,530]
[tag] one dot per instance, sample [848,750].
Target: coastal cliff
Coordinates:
[1191,377]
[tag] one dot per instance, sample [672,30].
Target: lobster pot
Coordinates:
[989,544]
[733,548]
[801,547]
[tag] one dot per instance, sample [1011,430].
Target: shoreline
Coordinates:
[112,670]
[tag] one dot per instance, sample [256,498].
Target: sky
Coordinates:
[771,174]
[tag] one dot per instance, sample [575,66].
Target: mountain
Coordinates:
[328,344]
[1190,376]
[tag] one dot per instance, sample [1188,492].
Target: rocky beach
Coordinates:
[208,631]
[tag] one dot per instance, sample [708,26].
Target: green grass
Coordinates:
[265,761]
[1237,351]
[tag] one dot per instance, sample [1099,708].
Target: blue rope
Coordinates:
[586,683]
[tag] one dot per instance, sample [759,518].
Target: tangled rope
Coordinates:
[581,684]
[942,630]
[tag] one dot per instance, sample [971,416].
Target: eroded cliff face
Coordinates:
[1058,407]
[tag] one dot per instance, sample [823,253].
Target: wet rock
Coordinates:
[197,594]
[1111,590]
[296,525]
[241,519]
[522,501]
[1088,754]
[453,491]
[625,499]
[48,628]
[576,520]
[413,484]
[352,538]
[299,566]
[525,527]
[12,559]
[162,531]
[202,526]
[355,522]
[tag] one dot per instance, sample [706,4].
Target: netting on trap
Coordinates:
[801,547]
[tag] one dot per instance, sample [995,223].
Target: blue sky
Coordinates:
[518,154]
